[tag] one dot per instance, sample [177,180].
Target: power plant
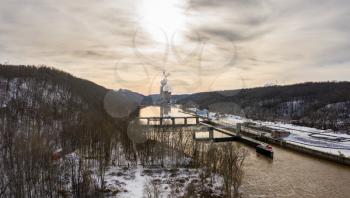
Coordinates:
[165,96]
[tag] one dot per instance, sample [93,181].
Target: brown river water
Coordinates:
[289,174]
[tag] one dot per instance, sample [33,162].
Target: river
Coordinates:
[289,174]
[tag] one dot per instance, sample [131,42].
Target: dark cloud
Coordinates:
[93,54]
[212,4]
[233,35]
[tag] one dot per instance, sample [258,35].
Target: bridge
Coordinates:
[182,121]
[187,121]
[190,121]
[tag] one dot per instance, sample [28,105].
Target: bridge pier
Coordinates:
[211,133]
[238,128]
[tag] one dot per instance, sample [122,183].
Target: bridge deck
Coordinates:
[235,136]
[171,121]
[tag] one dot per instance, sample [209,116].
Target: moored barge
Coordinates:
[265,150]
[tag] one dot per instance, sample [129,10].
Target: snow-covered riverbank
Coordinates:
[321,140]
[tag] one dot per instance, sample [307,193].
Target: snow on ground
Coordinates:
[325,149]
[134,181]
[134,184]
[322,140]
[171,179]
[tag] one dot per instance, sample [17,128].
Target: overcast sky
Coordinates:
[204,44]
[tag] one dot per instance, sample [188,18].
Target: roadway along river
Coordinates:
[289,174]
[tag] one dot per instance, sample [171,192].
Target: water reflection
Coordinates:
[155,111]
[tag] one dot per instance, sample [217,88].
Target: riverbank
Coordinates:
[303,149]
[324,144]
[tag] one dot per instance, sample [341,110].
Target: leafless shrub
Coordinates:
[152,190]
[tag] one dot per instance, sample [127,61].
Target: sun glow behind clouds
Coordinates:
[162,19]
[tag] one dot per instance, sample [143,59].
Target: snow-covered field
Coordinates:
[139,181]
[322,140]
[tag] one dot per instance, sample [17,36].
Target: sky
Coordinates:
[205,45]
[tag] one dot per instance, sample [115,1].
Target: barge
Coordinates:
[265,150]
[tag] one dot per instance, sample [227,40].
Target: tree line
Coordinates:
[324,105]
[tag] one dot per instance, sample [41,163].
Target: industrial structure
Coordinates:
[165,96]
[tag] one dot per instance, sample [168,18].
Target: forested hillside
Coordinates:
[46,114]
[62,136]
[318,104]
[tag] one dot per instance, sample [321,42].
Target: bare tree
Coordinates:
[231,168]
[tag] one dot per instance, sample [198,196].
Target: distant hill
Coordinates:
[17,78]
[155,98]
[136,97]
[317,104]
[64,105]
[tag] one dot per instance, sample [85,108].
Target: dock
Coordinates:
[232,135]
